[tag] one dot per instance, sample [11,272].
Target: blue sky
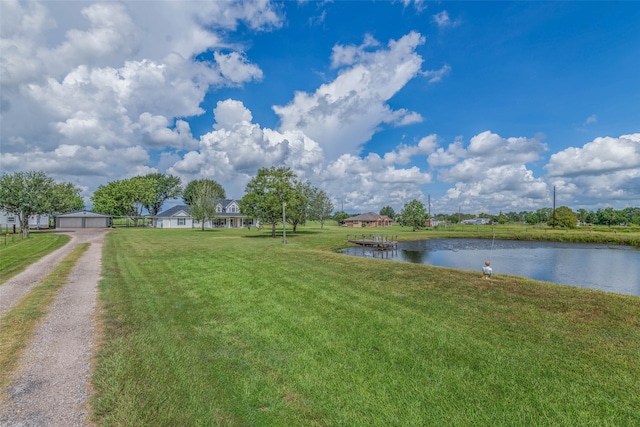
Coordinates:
[483,106]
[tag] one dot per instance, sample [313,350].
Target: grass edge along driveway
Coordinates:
[18,325]
[233,328]
[15,257]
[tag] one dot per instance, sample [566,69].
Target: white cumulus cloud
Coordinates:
[236,148]
[606,166]
[112,81]
[491,172]
[344,114]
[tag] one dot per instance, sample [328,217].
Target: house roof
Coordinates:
[174,211]
[369,216]
[226,202]
[83,214]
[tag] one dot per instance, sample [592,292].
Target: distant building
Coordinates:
[370,219]
[432,222]
[477,221]
[8,220]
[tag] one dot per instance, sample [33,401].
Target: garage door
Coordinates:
[71,222]
[96,222]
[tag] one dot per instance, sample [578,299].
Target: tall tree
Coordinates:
[388,211]
[125,197]
[165,187]
[202,199]
[65,198]
[566,218]
[609,216]
[341,216]
[25,194]
[193,187]
[298,205]
[266,193]
[320,206]
[414,214]
[632,215]
[583,214]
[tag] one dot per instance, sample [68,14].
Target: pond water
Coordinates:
[610,268]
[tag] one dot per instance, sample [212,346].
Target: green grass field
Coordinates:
[18,253]
[231,327]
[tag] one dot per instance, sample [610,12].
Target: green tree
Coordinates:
[609,217]
[165,187]
[414,214]
[513,217]
[203,195]
[632,215]
[539,216]
[320,206]
[582,215]
[193,187]
[24,194]
[566,218]
[65,198]
[266,193]
[502,219]
[125,197]
[341,216]
[532,218]
[388,211]
[298,205]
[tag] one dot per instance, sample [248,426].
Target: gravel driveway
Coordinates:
[51,387]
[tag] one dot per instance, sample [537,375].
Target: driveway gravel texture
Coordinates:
[52,384]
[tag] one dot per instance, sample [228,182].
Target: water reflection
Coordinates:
[609,268]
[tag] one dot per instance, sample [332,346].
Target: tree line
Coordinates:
[273,195]
[25,194]
[564,217]
[415,215]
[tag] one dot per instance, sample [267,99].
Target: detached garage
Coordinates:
[83,219]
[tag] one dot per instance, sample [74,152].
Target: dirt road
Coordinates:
[51,387]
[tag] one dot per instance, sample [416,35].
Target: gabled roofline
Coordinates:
[83,213]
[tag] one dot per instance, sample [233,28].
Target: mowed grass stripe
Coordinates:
[19,323]
[14,258]
[247,331]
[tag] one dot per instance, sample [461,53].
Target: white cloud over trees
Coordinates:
[605,166]
[94,77]
[92,93]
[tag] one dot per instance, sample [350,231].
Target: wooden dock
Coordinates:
[374,241]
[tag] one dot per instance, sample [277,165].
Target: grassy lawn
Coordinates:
[231,327]
[18,253]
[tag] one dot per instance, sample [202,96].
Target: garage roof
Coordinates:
[85,214]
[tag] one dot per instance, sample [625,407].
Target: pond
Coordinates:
[610,268]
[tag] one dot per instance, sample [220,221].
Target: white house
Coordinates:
[175,217]
[8,220]
[227,216]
